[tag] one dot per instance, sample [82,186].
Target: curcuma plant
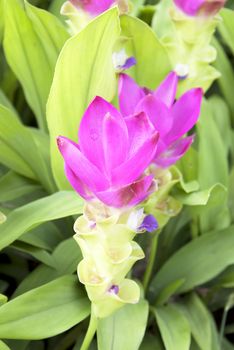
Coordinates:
[116,175]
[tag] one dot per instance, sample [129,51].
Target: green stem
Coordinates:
[150,265]
[90,332]
[222,327]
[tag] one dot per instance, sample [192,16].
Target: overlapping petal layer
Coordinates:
[112,155]
[172,119]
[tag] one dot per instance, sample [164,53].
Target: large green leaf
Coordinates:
[32,41]
[212,169]
[84,70]
[20,152]
[152,59]
[21,220]
[174,328]
[13,186]
[226,27]
[199,320]
[197,262]
[3,346]
[45,311]
[66,257]
[226,81]
[125,329]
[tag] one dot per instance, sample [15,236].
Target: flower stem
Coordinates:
[150,265]
[90,332]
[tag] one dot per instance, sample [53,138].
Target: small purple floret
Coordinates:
[131,61]
[149,224]
[114,289]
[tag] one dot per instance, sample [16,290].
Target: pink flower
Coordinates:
[171,119]
[200,7]
[93,7]
[112,155]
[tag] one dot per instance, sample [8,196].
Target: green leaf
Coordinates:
[3,346]
[33,39]
[20,152]
[5,102]
[66,257]
[168,291]
[199,319]
[213,169]
[197,262]
[21,220]
[78,79]
[37,253]
[125,329]
[46,236]
[222,119]
[45,311]
[3,299]
[1,18]
[226,81]
[149,57]
[174,328]
[226,27]
[13,186]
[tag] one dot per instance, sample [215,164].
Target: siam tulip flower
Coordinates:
[112,155]
[172,119]
[200,7]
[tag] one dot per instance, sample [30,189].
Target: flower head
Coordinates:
[172,119]
[112,155]
[200,7]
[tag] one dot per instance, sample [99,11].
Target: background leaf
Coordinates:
[32,41]
[125,329]
[45,311]
[21,220]
[149,57]
[78,78]
[174,328]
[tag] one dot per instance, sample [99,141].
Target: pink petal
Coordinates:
[174,152]
[129,94]
[93,7]
[129,195]
[158,113]
[134,167]
[190,7]
[166,91]
[115,141]
[91,130]
[139,130]
[185,113]
[80,165]
[77,184]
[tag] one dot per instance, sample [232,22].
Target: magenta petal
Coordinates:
[139,129]
[77,184]
[166,91]
[135,166]
[128,196]
[115,141]
[158,113]
[93,7]
[190,7]
[80,165]
[129,94]
[91,130]
[185,113]
[174,152]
